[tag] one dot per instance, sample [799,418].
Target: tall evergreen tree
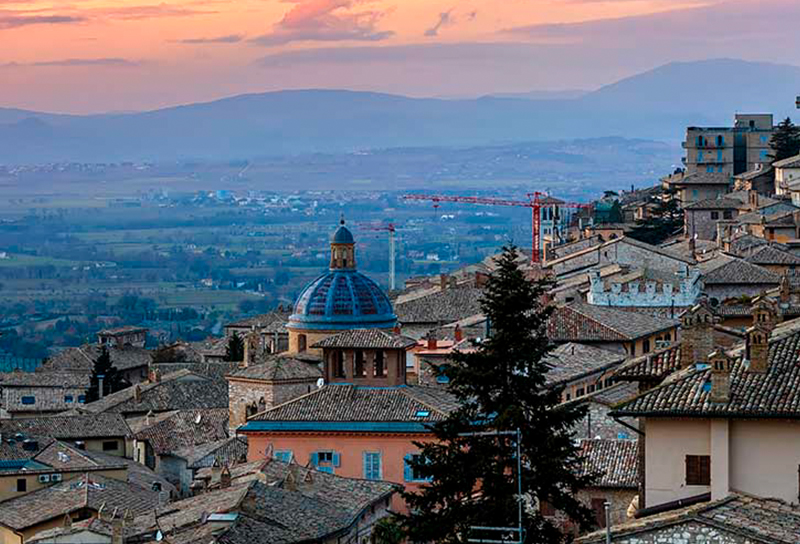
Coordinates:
[785,141]
[501,386]
[664,220]
[234,351]
[113,381]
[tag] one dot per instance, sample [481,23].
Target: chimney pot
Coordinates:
[432,342]
[459,334]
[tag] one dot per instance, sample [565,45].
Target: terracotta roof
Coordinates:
[260,321]
[60,380]
[614,462]
[182,390]
[579,322]
[440,307]
[366,339]
[185,429]
[613,395]
[739,272]
[746,242]
[745,517]
[350,403]
[285,503]
[82,359]
[769,254]
[63,456]
[89,491]
[722,203]
[71,427]
[651,367]
[775,393]
[572,361]
[228,451]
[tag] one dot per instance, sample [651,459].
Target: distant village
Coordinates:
[676,324]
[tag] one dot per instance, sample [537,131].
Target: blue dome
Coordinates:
[343,236]
[342,299]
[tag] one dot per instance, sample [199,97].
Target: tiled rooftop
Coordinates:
[440,307]
[614,462]
[282,368]
[228,451]
[769,254]
[82,359]
[68,427]
[182,390]
[740,272]
[775,393]
[185,429]
[579,322]
[260,321]
[349,403]
[89,491]
[750,519]
[366,339]
[572,360]
[715,204]
[60,380]
[653,366]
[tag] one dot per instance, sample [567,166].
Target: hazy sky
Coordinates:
[112,55]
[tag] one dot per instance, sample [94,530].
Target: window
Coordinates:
[714,216]
[579,392]
[709,169]
[698,470]
[719,156]
[623,436]
[441,374]
[699,156]
[326,461]
[764,155]
[727,214]
[360,370]
[720,141]
[372,465]
[68,398]
[590,389]
[22,485]
[694,193]
[646,346]
[599,511]
[338,364]
[380,365]
[109,445]
[82,399]
[283,455]
[411,473]
[301,343]
[28,400]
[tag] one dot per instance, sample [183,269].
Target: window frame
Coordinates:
[697,470]
[22,485]
[28,400]
[110,445]
[371,460]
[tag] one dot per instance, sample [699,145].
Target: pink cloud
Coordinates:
[326,21]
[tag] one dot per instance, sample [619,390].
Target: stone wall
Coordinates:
[244,393]
[620,252]
[620,500]
[597,422]
[685,533]
[725,291]
[647,294]
[702,224]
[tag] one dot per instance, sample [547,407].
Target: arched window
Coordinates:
[301,343]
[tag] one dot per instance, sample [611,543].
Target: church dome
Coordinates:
[343,298]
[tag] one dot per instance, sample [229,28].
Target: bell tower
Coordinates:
[343,249]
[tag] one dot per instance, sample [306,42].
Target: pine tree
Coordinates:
[501,386]
[664,220]
[113,381]
[785,141]
[234,351]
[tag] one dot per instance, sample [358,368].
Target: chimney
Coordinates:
[443,282]
[157,375]
[757,349]
[432,342]
[225,478]
[786,289]
[697,335]
[137,393]
[117,530]
[458,333]
[148,418]
[764,313]
[216,471]
[721,366]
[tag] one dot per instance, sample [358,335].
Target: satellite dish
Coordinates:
[320,383]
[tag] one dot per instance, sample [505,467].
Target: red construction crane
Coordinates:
[390,228]
[535,202]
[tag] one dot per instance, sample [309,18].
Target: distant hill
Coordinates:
[657,104]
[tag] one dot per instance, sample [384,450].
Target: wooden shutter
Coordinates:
[698,470]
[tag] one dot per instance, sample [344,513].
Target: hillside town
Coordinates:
[672,328]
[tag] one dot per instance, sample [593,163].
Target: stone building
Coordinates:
[701,217]
[124,336]
[616,464]
[259,387]
[737,519]
[694,187]
[581,369]
[339,300]
[29,394]
[646,289]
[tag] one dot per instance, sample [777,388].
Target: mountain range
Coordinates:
[657,104]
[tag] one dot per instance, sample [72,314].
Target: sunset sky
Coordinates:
[102,55]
